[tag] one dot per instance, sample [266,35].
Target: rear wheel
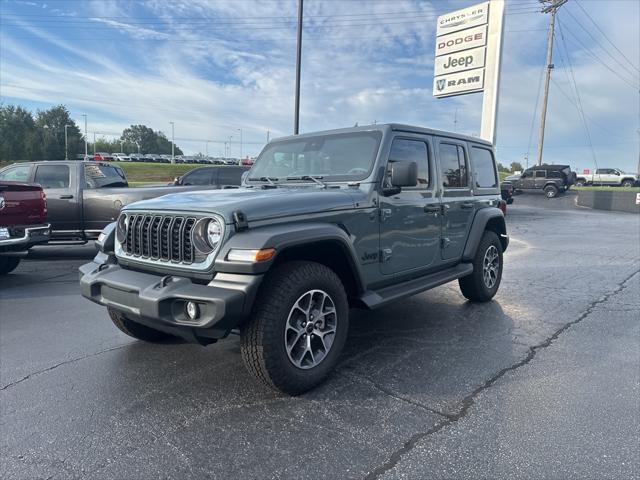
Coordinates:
[8,264]
[550,191]
[136,330]
[298,327]
[580,182]
[483,283]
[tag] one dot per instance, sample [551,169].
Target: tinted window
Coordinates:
[52,176]
[454,167]
[485,168]
[16,174]
[230,176]
[404,150]
[100,176]
[201,176]
[540,173]
[554,174]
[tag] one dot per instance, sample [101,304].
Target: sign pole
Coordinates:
[492,72]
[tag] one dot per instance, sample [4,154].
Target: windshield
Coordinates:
[100,176]
[333,157]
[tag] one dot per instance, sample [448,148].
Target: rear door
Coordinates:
[457,200]
[540,177]
[60,185]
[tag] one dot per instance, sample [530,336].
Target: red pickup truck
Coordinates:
[23,214]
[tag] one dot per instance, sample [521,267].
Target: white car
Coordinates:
[121,157]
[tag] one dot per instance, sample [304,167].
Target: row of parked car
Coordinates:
[164,158]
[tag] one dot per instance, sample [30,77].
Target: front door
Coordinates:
[540,178]
[410,221]
[457,199]
[60,187]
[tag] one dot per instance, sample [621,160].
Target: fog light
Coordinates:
[193,312]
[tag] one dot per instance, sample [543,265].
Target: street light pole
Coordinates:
[229,153]
[240,130]
[173,159]
[86,148]
[296,122]
[66,143]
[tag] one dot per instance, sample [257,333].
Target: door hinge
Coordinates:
[385,255]
[444,242]
[384,214]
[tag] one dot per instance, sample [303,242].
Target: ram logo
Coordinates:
[440,84]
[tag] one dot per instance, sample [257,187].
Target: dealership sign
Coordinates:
[461,51]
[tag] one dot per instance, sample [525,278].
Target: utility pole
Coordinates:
[94,143]
[268,136]
[455,121]
[86,148]
[296,122]
[240,130]
[173,158]
[552,7]
[66,143]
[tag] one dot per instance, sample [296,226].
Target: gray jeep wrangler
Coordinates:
[325,222]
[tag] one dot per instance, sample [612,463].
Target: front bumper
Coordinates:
[25,237]
[159,301]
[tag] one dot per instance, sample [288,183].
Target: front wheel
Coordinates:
[8,264]
[298,327]
[580,183]
[627,183]
[483,283]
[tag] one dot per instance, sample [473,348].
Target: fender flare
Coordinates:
[482,218]
[283,237]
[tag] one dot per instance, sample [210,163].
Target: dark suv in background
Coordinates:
[357,217]
[550,179]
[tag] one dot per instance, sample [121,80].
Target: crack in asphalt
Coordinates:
[469,400]
[53,367]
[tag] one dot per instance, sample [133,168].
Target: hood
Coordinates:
[255,203]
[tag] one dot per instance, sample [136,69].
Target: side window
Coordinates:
[198,177]
[554,174]
[485,168]
[230,176]
[405,150]
[454,166]
[52,176]
[540,173]
[16,174]
[527,173]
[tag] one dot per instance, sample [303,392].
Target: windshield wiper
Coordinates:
[269,180]
[314,178]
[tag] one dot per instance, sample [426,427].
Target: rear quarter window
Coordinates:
[485,168]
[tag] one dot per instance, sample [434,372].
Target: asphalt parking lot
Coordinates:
[542,382]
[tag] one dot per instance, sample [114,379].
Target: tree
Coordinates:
[50,124]
[516,167]
[148,140]
[18,134]
[502,168]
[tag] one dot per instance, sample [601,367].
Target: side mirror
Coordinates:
[177,181]
[617,173]
[403,174]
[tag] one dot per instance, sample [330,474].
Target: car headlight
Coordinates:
[207,234]
[121,228]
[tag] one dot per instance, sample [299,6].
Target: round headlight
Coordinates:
[121,229]
[206,235]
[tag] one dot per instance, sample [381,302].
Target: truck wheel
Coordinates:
[551,191]
[298,327]
[8,264]
[483,283]
[627,182]
[136,330]
[580,183]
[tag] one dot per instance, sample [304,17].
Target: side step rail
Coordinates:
[379,298]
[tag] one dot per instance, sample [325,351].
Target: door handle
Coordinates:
[432,209]
[66,197]
[467,205]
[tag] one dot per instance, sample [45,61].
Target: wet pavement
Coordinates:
[543,382]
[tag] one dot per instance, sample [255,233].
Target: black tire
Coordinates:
[580,183]
[627,182]
[262,338]
[8,264]
[551,191]
[137,330]
[473,286]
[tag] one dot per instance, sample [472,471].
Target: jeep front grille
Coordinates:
[160,237]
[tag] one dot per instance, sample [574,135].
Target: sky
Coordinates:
[220,69]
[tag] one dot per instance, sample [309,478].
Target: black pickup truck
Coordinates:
[83,196]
